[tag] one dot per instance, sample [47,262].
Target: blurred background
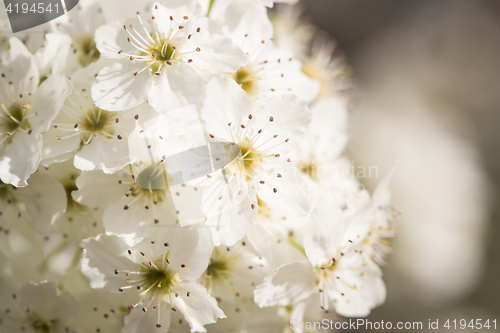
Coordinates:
[428,97]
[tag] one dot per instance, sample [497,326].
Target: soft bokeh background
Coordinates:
[428,96]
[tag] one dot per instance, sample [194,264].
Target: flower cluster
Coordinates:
[171,166]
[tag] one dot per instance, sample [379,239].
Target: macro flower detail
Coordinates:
[162,272]
[337,271]
[98,137]
[161,59]
[27,110]
[38,308]
[182,166]
[265,136]
[269,71]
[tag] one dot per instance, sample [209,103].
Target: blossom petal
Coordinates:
[117,89]
[20,158]
[145,322]
[176,87]
[290,118]
[289,284]
[324,234]
[45,200]
[101,256]
[48,101]
[198,308]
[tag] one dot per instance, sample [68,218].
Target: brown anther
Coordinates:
[198,49]
[275,190]
[198,29]
[242,126]
[142,253]
[253,206]
[119,137]
[271,119]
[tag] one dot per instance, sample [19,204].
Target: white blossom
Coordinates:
[27,111]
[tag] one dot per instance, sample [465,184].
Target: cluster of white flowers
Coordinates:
[180,164]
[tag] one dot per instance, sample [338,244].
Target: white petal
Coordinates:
[291,117]
[145,322]
[20,158]
[45,200]
[324,234]
[248,19]
[191,247]
[176,87]
[290,198]
[230,226]
[288,285]
[106,154]
[54,150]
[369,292]
[117,89]
[20,68]
[52,57]
[217,54]
[47,301]
[101,256]
[135,221]
[294,80]
[48,101]
[226,102]
[111,38]
[97,189]
[199,308]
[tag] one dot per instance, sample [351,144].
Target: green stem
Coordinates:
[296,245]
[210,7]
